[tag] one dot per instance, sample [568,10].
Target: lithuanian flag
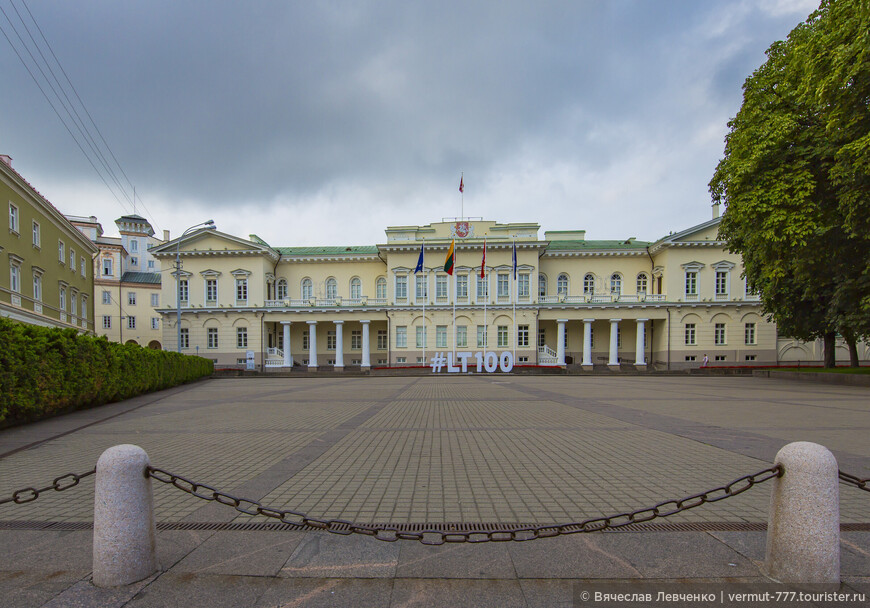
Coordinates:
[448,263]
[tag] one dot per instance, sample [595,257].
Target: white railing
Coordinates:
[274,362]
[354,302]
[721,297]
[16,300]
[276,303]
[377,301]
[600,298]
[275,352]
[752,297]
[548,299]
[692,297]
[655,297]
[627,298]
[547,356]
[575,299]
[324,302]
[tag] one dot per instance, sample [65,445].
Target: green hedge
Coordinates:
[45,371]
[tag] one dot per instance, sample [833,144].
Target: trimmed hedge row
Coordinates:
[44,371]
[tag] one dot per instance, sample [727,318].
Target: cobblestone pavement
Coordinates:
[469,449]
[473,449]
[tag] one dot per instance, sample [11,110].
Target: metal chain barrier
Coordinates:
[64,482]
[438,537]
[852,480]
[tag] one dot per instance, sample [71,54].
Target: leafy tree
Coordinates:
[794,179]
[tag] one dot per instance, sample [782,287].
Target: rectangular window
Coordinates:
[241,290]
[131,298]
[482,288]
[461,336]
[150,264]
[749,334]
[721,283]
[441,286]
[37,288]
[522,335]
[542,338]
[401,287]
[155,300]
[691,283]
[690,357]
[422,290]
[356,339]
[107,322]
[401,336]
[481,336]
[523,285]
[73,303]
[720,358]
[462,287]
[591,337]
[134,261]
[241,337]
[212,337]
[400,359]
[131,322]
[83,267]
[330,340]
[502,336]
[381,289]
[749,358]
[690,334]
[185,337]
[107,297]
[719,334]
[183,291]
[13,218]
[84,307]
[62,298]
[382,339]
[440,336]
[107,267]
[37,238]
[211,291]
[61,252]
[503,285]
[72,259]
[134,245]
[155,323]
[421,337]
[14,278]
[306,341]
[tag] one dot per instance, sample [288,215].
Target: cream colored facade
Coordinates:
[127,281]
[574,303]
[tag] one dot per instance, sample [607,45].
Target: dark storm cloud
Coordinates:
[225,102]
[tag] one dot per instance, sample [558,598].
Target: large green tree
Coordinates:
[794,178]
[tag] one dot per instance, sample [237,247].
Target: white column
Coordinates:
[288,358]
[339,345]
[312,343]
[639,358]
[560,344]
[587,341]
[366,359]
[614,349]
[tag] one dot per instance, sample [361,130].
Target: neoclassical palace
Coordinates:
[558,300]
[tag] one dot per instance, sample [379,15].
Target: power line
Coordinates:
[86,137]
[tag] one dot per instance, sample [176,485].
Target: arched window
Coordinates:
[542,285]
[641,283]
[615,283]
[382,288]
[331,288]
[589,284]
[562,284]
[282,289]
[355,288]
[307,291]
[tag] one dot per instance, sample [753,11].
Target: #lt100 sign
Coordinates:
[488,362]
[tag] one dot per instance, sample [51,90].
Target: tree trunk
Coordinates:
[853,349]
[830,349]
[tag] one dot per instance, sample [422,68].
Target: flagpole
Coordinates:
[462,193]
[485,298]
[516,297]
[425,297]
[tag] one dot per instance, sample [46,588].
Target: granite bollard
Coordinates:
[803,529]
[124,530]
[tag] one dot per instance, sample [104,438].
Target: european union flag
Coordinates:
[419,267]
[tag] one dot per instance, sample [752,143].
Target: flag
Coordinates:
[461,185]
[448,263]
[419,267]
[515,260]
[483,262]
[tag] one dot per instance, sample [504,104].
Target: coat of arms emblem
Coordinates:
[462,229]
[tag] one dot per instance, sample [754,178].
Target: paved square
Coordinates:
[472,449]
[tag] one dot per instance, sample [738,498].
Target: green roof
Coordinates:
[340,250]
[151,278]
[595,245]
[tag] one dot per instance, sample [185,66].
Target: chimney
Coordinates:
[165,236]
[7,160]
[715,210]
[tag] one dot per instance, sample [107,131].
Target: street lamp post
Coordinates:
[209,226]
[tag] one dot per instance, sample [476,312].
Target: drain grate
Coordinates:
[706,526]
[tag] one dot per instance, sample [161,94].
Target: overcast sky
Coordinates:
[322,123]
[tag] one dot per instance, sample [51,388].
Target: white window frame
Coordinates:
[61,252]
[107,322]
[108,264]
[37,235]
[440,336]
[523,285]
[562,284]
[482,336]
[355,288]
[691,334]
[281,289]
[61,297]
[211,282]
[331,288]
[131,298]
[241,337]
[616,283]
[382,339]
[331,339]
[691,283]
[37,286]
[131,322]
[503,285]
[720,337]
[381,288]
[421,335]
[749,334]
[106,297]
[523,335]
[542,285]
[306,289]
[421,288]
[401,284]
[15,276]
[462,286]
[211,336]
[440,286]
[401,336]
[356,339]
[482,289]
[185,338]
[14,218]
[242,290]
[642,283]
[155,323]
[461,336]
[184,291]
[501,336]
[155,300]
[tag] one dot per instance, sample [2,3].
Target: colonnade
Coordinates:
[613,358]
[365,362]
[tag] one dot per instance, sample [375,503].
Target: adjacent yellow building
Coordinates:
[559,300]
[48,271]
